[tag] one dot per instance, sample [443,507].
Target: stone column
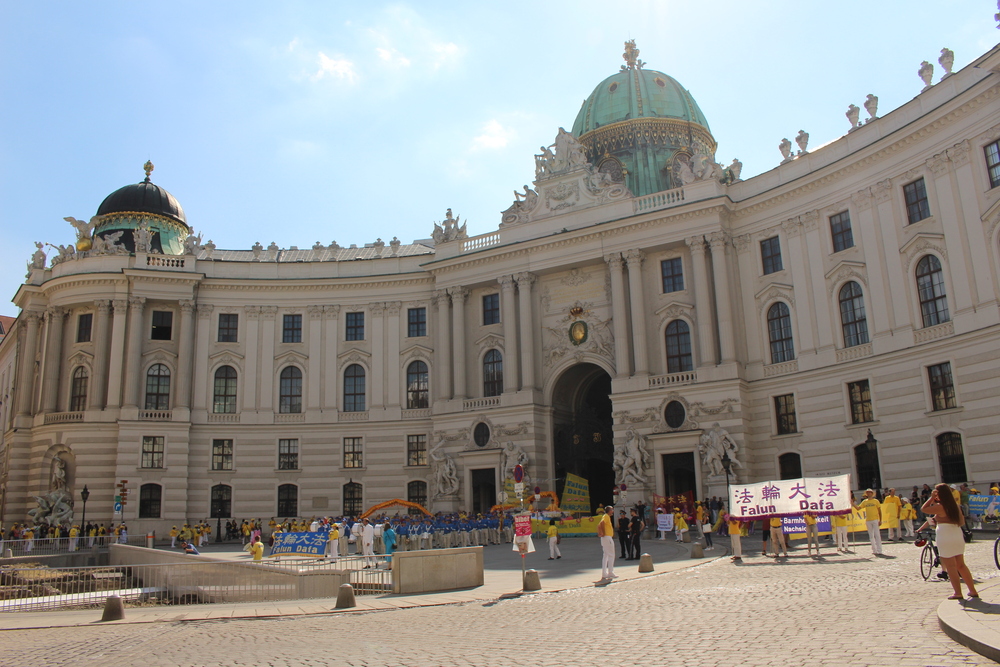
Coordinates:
[524,282]
[442,373]
[962,286]
[203,332]
[54,318]
[746,268]
[185,355]
[252,366]
[329,352]
[116,357]
[99,378]
[26,384]
[968,215]
[702,301]
[315,342]
[458,296]
[619,315]
[637,301]
[378,355]
[265,377]
[392,354]
[508,314]
[133,355]
[724,308]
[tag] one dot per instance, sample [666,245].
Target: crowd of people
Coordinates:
[69,536]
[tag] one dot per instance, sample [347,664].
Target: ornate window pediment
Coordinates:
[291,356]
[919,245]
[675,310]
[773,292]
[846,270]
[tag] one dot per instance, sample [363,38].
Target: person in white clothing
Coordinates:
[368,543]
[606,532]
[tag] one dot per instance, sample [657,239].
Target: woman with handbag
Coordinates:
[553,536]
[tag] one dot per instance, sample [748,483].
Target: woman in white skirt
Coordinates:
[950,541]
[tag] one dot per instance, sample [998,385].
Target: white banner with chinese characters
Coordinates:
[788,497]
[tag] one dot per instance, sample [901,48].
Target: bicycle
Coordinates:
[996,552]
[929,556]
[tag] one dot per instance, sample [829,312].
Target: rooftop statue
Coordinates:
[733,171]
[802,139]
[853,112]
[192,243]
[143,238]
[65,252]
[37,257]
[947,61]
[448,230]
[871,106]
[926,73]
[786,150]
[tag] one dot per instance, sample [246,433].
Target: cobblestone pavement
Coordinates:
[842,610]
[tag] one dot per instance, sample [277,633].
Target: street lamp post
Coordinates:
[84,495]
[871,444]
[726,465]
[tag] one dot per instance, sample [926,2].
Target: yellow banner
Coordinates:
[583,526]
[576,494]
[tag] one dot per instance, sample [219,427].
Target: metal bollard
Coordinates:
[150,539]
[345,597]
[531,581]
[114,610]
[645,563]
[7,553]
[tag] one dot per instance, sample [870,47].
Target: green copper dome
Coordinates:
[637,93]
[640,126]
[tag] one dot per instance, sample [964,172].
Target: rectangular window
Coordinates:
[152,451]
[291,328]
[672,274]
[770,255]
[416,322]
[222,455]
[942,386]
[229,324]
[861,402]
[840,228]
[163,325]
[84,324]
[355,326]
[491,309]
[288,454]
[784,412]
[353,453]
[917,207]
[993,162]
[416,450]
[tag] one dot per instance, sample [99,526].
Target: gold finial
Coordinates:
[631,53]
[148,168]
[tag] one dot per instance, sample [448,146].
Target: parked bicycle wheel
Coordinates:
[927,561]
[996,552]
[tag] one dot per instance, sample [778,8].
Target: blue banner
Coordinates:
[797,524]
[300,544]
[984,505]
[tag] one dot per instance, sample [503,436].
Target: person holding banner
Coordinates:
[872,510]
[777,537]
[840,522]
[606,533]
[812,537]
[950,540]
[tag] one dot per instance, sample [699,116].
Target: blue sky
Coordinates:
[302,121]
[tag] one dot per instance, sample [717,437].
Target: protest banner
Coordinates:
[300,544]
[794,527]
[980,506]
[575,495]
[665,522]
[791,497]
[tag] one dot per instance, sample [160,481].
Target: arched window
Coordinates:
[353,503]
[417,395]
[416,492]
[288,500]
[951,458]
[930,290]
[149,501]
[852,315]
[354,388]
[225,391]
[222,501]
[779,332]
[678,337]
[790,466]
[493,373]
[290,399]
[78,390]
[866,462]
[158,387]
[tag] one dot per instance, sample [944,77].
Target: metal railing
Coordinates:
[48,546]
[40,588]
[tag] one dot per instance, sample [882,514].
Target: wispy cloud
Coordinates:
[445,53]
[337,68]
[392,57]
[493,136]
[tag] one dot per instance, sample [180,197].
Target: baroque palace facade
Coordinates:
[637,309]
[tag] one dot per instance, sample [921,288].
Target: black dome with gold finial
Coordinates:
[127,208]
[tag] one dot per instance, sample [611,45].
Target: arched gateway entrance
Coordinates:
[582,434]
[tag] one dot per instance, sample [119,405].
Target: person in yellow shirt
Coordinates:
[840,522]
[892,509]
[552,536]
[333,542]
[606,533]
[257,549]
[74,535]
[907,515]
[812,536]
[680,525]
[735,535]
[777,537]
[173,537]
[872,510]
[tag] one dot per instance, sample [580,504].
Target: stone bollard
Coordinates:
[114,610]
[7,553]
[531,581]
[697,551]
[645,563]
[345,597]
[687,535]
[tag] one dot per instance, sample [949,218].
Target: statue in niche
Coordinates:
[871,106]
[57,479]
[143,238]
[786,150]
[55,508]
[947,61]
[853,112]
[445,471]
[713,445]
[685,174]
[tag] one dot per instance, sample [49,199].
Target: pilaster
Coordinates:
[511,377]
[637,301]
